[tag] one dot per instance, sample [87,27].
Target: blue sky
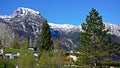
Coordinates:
[66,11]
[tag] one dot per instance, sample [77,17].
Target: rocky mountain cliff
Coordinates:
[27,23]
[24,23]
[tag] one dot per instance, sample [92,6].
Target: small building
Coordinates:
[71,57]
[9,55]
[12,56]
[16,55]
[32,48]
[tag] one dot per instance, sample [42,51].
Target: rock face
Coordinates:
[24,23]
[27,23]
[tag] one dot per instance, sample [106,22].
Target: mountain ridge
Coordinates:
[27,23]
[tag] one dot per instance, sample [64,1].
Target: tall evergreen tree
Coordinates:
[94,40]
[45,38]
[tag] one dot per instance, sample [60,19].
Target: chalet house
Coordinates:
[15,55]
[71,57]
[11,55]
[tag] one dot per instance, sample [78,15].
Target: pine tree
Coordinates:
[45,38]
[94,40]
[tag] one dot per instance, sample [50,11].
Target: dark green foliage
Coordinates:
[45,38]
[94,40]
[10,63]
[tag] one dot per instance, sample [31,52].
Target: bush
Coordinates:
[50,60]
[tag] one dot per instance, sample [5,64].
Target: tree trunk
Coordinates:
[5,65]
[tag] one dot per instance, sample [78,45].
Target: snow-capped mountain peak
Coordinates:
[21,11]
[113,29]
[5,17]
[66,28]
[25,11]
